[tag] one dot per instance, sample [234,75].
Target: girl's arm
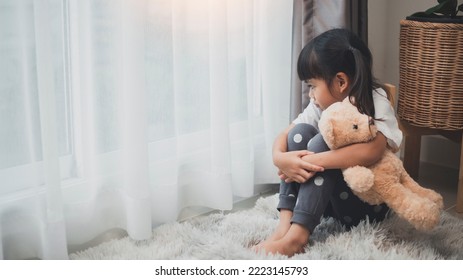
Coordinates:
[290,164]
[364,154]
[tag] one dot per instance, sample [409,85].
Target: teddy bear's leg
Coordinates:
[412,185]
[359,178]
[421,212]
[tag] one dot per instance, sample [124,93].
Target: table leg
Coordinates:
[412,154]
[459,207]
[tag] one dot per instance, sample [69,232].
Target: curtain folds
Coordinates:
[118,114]
[121,114]
[312,17]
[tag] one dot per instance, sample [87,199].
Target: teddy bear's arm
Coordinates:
[359,178]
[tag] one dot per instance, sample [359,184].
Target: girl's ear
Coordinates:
[342,81]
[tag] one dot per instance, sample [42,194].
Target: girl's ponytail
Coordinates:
[362,83]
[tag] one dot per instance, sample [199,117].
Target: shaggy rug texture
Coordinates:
[230,236]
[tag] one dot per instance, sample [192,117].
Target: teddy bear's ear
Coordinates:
[327,131]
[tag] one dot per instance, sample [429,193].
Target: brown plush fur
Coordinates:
[385,181]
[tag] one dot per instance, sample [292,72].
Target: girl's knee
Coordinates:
[300,135]
[317,144]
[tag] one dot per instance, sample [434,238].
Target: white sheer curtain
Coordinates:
[119,114]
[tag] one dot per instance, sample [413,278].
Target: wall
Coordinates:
[383,38]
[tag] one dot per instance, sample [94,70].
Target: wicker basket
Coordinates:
[431,74]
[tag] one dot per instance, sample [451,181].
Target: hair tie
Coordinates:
[351,48]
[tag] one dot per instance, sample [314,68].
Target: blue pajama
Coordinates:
[326,193]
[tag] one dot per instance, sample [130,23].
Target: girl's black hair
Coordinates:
[339,50]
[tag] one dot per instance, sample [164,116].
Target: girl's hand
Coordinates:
[289,180]
[284,177]
[293,168]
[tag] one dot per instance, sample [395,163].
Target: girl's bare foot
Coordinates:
[292,243]
[280,231]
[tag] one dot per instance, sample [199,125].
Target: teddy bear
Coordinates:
[341,124]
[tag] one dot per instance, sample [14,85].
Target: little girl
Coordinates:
[335,64]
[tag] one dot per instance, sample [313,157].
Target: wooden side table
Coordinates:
[431,87]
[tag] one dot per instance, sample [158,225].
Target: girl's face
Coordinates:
[322,95]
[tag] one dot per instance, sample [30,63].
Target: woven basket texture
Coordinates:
[431,74]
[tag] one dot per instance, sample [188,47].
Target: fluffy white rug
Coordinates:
[219,236]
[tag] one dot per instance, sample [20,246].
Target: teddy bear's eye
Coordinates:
[355,126]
